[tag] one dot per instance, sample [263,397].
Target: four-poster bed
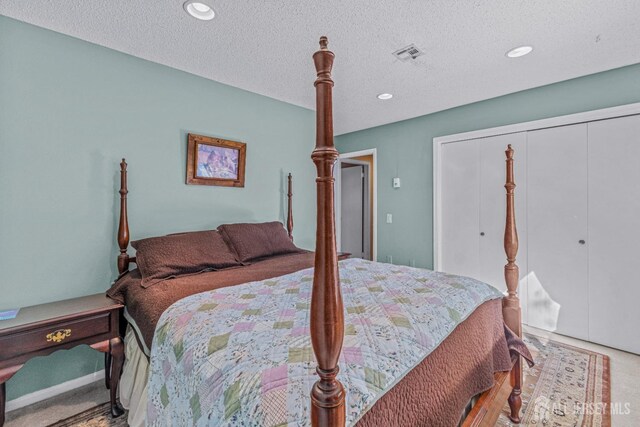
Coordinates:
[196,339]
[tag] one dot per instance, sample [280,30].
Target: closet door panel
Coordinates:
[460,208]
[493,210]
[557,229]
[614,232]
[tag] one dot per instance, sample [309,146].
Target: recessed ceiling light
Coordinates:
[199,10]
[519,51]
[385,96]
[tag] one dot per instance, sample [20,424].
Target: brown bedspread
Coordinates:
[436,391]
[433,394]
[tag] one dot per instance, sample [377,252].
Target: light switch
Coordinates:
[389,218]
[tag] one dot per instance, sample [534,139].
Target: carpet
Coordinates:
[569,386]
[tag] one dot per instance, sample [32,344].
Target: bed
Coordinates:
[260,342]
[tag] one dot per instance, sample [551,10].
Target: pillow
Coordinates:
[251,241]
[162,258]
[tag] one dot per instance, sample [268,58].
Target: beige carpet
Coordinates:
[568,386]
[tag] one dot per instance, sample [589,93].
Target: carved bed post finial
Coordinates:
[327,315]
[511,303]
[123,227]
[324,42]
[289,207]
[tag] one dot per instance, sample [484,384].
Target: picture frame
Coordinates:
[215,161]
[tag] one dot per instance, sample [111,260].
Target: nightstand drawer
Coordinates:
[51,336]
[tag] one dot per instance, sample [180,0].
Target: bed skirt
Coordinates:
[134,380]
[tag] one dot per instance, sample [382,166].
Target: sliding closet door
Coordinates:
[493,210]
[614,232]
[460,208]
[557,229]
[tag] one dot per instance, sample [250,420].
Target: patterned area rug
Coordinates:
[568,386]
[100,416]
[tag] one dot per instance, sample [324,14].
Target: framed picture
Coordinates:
[215,161]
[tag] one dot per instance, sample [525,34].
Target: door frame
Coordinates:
[569,119]
[374,183]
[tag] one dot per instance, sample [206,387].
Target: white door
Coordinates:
[493,210]
[614,232]
[557,229]
[352,210]
[460,208]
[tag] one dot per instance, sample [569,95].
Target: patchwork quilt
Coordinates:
[242,355]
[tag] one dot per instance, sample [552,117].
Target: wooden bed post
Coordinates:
[327,315]
[289,207]
[511,303]
[123,227]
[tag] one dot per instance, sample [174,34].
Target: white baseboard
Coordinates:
[46,393]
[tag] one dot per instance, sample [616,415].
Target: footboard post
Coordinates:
[511,310]
[327,315]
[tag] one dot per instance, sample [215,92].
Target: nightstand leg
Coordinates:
[3,396]
[107,370]
[117,356]
[5,375]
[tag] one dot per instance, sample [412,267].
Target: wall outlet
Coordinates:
[389,259]
[396,182]
[389,218]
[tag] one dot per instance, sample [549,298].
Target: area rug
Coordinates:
[569,386]
[99,416]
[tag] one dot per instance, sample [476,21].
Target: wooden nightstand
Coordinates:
[343,255]
[40,330]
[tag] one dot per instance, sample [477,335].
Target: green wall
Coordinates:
[405,150]
[69,111]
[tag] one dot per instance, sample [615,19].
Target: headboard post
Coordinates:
[289,207]
[123,227]
[327,315]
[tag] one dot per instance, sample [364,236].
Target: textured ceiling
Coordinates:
[265,46]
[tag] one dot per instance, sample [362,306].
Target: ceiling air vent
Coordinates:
[408,53]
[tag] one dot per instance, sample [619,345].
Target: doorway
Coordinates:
[355,208]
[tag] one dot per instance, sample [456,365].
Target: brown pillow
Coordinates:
[252,241]
[161,258]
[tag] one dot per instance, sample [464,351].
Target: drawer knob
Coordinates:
[59,335]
